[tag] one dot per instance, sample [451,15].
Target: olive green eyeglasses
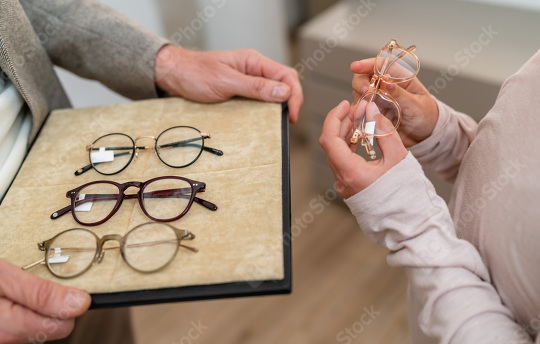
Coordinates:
[146,248]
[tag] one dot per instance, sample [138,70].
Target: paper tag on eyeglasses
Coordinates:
[102,156]
[86,206]
[57,258]
[369,129]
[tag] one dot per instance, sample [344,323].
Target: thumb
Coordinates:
[260,88]
[392,148]
[42,296]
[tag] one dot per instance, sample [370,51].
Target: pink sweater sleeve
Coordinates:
[443,151]
[451,299]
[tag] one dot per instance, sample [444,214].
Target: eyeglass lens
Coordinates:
[179,146]
[166,198]
[369,106]
[149,248]
[396,64]
[71,252]
[111,153]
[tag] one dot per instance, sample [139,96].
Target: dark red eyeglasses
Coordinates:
[162,199]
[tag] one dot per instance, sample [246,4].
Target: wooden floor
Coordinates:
[343,291]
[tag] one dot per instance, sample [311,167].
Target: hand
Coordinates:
[419,111]
[33,309]
[352,172]
[216,76]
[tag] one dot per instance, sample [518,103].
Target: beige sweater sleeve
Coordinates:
[96,42]
[444,149]
[451,299]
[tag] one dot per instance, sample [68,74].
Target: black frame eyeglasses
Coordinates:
[112,153]
[147,248]
[162,199]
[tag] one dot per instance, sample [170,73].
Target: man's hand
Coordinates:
[419,112]
[352,172]
[35,310]
[216,76]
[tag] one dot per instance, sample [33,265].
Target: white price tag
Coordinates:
[370,130]
[102,156]
[86,206]
[57,258]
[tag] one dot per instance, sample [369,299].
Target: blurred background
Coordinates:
[343,291]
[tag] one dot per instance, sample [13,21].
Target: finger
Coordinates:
[19,324]
[39,295]
[259,65]
[363,66]
[337,150]
[360,83]
[392,148]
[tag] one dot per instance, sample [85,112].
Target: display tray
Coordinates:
[244,246]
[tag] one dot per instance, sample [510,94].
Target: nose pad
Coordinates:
[100,258]
[136,153]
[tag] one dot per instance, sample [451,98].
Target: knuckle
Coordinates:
[43,294]
[259,85]
[251,52]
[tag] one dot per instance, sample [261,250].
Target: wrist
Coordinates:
[166,61]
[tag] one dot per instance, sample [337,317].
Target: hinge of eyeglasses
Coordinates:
[88,147]
[205,135]
[41,246]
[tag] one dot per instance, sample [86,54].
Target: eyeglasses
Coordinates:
[393,64]
[112,153]
[146,248]
[162,199]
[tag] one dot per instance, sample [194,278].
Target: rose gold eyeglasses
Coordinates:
[393,64]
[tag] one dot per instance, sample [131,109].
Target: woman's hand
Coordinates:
[419,111]
[352,172]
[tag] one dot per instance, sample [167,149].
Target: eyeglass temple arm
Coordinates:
[184,193]
[185,143]
[64,250]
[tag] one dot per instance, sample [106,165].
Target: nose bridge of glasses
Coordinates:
[110,237]
[137,147]
[127,185]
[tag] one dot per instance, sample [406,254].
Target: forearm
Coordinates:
[444,150]
[96,42]
[449,288]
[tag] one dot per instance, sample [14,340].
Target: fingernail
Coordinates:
[389,87]
[280,92]
[75,299]
[364,89]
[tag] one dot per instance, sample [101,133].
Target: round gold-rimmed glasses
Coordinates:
[146,248]
[393,64]
[176,147]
